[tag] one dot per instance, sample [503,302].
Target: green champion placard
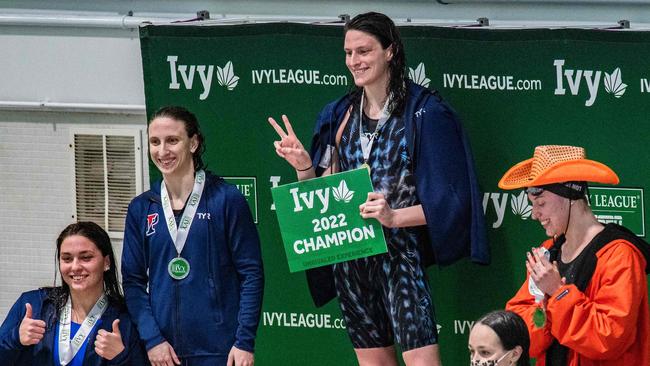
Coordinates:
[320,221]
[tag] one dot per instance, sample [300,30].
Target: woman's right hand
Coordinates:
[163,355]
[31,331]
[289,147]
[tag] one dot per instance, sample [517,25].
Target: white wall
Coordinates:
[88,67]
[83,70]
[37,192]
[36,202]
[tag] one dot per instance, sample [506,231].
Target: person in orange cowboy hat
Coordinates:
[585,299]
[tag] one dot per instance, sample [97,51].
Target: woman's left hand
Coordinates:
[238,357]
[544,273]
[376,207]
[109,344]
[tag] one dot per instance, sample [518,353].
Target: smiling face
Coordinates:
[82,265]
[170,147]
[552,211]
[366,59]
[485,347]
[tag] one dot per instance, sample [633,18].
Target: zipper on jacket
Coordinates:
[177,320]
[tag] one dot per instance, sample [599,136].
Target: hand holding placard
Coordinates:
[320,221]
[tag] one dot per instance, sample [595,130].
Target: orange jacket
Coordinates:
[608,324]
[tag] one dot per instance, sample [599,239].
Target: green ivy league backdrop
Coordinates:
[511,89]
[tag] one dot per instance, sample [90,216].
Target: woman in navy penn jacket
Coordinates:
[84,321]
[191,262]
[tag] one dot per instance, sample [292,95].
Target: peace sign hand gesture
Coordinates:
[289,146]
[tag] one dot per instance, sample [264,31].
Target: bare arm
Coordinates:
[377,207]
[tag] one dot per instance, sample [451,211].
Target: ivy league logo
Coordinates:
[419,75]
[189,74]
[576,78]
[340,193]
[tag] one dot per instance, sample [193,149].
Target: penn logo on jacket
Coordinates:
[152,220]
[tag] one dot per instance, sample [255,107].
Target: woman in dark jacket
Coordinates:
[84,321]
[191,264]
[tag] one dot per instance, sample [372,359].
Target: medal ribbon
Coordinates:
[179,235]
[68,348]
[539,315]
[366,142]
[532,286]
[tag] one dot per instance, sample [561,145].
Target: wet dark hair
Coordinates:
[384,30]
[191,127]
[93,232]
[511,330]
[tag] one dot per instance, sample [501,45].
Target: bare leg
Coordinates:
[380,356]
[427,355]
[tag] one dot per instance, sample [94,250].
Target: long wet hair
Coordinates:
[384,30]
[511,330]
[192,128]
[93,232]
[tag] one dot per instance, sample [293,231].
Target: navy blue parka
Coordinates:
[218,305]
[12,353]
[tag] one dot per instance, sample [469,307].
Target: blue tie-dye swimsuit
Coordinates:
[386,297]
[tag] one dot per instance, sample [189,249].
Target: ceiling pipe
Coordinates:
[132,22]
[563,2]
[131,109]
[89,20]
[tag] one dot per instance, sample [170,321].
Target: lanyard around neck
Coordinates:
[179,234]
[68,347]
[367,141]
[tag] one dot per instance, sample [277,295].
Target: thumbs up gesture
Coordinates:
[31,331]
[109,344]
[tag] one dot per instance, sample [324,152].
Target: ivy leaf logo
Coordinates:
[614,84]
[342,193]
[520,206]
[418,75]
[226,77]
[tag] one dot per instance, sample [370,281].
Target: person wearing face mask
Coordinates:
[84,321]
[192,263]
[499,338]
[585,299]
[425,195]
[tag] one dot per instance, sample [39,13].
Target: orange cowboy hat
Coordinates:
[556,164]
